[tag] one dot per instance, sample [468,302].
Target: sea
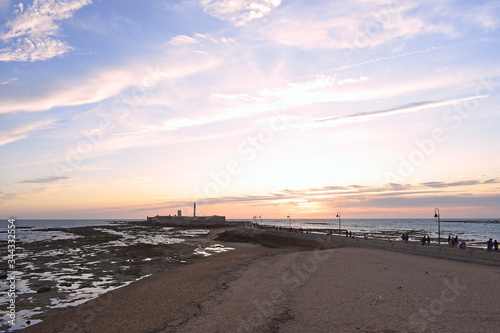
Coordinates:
[475,231]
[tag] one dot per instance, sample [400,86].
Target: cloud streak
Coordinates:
[388,195]
[364,116]
[21,132]
[45,180]
[100,86]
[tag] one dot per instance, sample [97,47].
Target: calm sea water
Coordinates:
[36,230]
[475,231]
[61,223]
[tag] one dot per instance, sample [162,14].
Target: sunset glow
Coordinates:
[123,109]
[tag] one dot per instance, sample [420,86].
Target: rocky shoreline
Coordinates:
[55,274]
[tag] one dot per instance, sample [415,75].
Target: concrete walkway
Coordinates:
[434,250]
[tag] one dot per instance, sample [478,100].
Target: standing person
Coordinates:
[495,245]
[423,240]
[428,240]
[489,245]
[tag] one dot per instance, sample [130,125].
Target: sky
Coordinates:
[128,109]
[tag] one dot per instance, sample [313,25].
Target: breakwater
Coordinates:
[316,240]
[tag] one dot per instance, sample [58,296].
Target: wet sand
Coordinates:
[263,289]
[57,272]
[161,302]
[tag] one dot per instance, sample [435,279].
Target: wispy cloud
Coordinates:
[100,86]
[183,40]
[438,199]
[366,194]
[21,132]
[364,116]
[461,183]
[239,12]
[239,105]
[8,81]
[34,33]
[355,195]
[47,179]
[368,24]
[363,195]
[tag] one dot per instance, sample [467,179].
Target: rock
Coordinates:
[43,290]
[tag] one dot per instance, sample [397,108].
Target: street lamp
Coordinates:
[436,214]
[338,215]
[289,220]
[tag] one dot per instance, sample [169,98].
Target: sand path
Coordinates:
[256,289]
[355,290]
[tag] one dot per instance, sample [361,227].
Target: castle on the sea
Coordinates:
[179,219]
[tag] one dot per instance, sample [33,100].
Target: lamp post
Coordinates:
[338,215]
[436,214]
[289,220]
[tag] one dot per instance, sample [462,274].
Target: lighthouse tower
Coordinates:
[194,210]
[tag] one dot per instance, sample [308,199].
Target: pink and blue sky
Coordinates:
[374,108]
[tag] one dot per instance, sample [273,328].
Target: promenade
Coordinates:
[317,240]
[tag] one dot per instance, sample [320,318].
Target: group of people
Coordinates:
[405,238]
[490,245]
[454,242]
[426,240]
[350,234]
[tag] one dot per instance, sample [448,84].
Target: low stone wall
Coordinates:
[434,250]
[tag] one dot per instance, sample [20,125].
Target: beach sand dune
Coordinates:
[258,289]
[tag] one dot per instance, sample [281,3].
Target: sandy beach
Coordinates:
[288,289]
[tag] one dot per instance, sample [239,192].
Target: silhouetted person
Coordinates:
[489,245]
